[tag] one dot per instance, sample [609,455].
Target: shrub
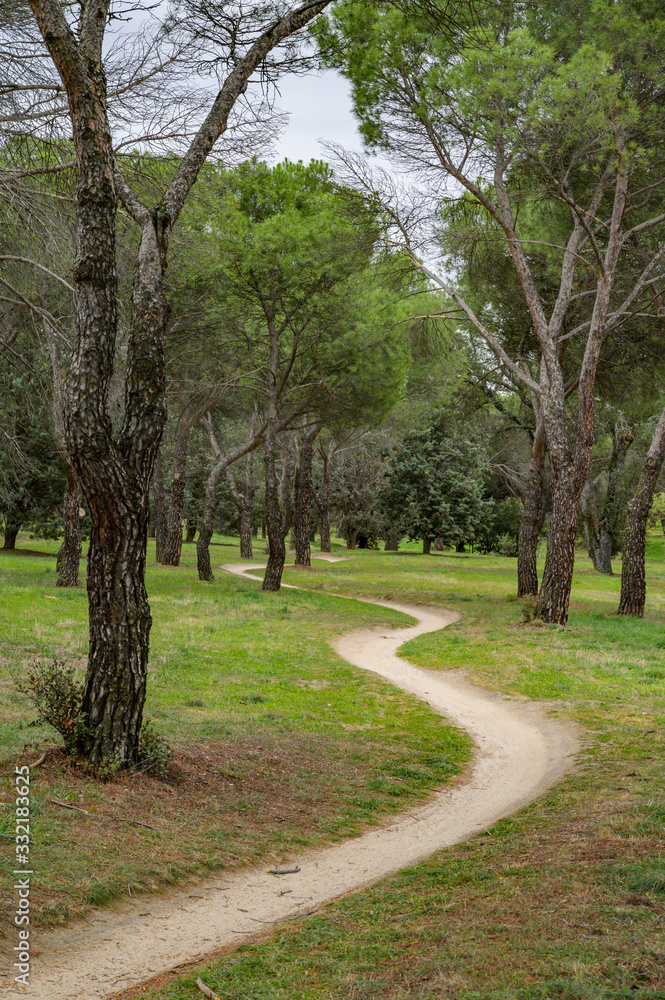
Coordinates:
[54,691]
[531,608]
[154,752]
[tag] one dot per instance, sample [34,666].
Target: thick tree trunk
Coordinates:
[159,508]
[392,541]
[351,538]
[533,516]
[12,529]
[427,545]
[560,558]
[246,550]
[303,499]
[190,533]
[69,554]
[633,576]
[437,545]
[115,467]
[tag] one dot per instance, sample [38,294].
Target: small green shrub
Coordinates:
[531,608]
[154,753]
[55,692]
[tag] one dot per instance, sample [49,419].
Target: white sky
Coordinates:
[319,107]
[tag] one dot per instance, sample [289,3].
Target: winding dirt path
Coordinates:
[521,753]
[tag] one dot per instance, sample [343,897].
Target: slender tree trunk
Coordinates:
[173,543]
[589,513]
[322,498]
[69,554]
[533,516]
[190,533]
[159,508]
[609,523]
[12,529]
[303,498]
[272,579]
[427,545]
[633,576]
[243,502]
[246,550]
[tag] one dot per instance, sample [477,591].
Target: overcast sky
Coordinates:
[319,107]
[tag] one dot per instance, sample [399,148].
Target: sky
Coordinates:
[319,107]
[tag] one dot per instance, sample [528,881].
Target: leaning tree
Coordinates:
[114,459]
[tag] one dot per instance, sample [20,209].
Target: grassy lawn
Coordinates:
[278,742]
[566,899]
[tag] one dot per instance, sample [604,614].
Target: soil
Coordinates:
[521,752]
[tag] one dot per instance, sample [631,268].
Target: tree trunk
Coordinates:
[322,498]
[560,558]
[246,551]
[173,543]
[427,545]
[203,550]
[633,577]
[159,506]
[589,514]
[11,531]
[69,554]
[610,523]
[303,498]
[351,538]
[272,579]
[392,541]
[190,533]
[113,466]
[533,516]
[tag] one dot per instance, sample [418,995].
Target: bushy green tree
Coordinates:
[435,486]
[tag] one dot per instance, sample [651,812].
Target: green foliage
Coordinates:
[154,752]
[56,693]
[435,485]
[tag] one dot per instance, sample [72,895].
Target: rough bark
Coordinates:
[351,538]
[533,516]
[633,576]
[69,553]
[609,522]
[303,498]
[172,549]
[277,526]
[190,532]
[437,545]
[12,529]
[559,563]
[115,467]
[159,508]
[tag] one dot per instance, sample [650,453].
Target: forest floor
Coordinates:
[564,899]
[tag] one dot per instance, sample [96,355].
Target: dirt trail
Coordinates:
[521,753]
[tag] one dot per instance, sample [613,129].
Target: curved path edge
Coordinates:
[522,752]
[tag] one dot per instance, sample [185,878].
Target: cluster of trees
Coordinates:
[301,307]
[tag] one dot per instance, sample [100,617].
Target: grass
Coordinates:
[563,901]
[278,742]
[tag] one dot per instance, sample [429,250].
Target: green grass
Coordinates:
[566,899]
[288,743]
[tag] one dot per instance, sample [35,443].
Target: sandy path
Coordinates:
[521,753]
